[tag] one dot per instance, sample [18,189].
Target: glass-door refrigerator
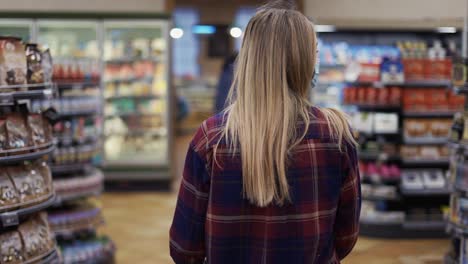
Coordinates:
[76,49]
[22,28]
[136,91]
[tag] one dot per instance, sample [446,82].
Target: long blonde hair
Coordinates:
[269,95]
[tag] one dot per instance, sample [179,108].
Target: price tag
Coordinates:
[9,219]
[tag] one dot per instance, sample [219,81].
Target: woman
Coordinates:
[272,179]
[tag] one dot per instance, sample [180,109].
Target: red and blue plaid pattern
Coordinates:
[214,223]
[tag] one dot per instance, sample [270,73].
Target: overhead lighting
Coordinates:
[204,29]
[235,32]
[324,28]
[176,33]
[446,30]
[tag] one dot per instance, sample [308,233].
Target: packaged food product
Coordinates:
[40,183]
[429,152]
[409,152]
[372,95]
[414,100]
[415,128]
[440,128]
[8,194]
[12,61]
[36,127]
[23,182]
[3,135]
[436,99]
[18,135]
[35,73]
[47,66]
[44,171]
[36,237]
[11,248]
[444,152]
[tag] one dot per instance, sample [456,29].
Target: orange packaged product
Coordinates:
[456,102]
[437,100]
[438,69]
[372,95]
[361,95]
[414,69]
[395,95]
[370,72]
[414,100]
[383,97]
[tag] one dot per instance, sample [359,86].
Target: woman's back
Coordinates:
[271,179]
[214,220]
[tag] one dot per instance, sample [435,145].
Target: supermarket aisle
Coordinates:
[141,231]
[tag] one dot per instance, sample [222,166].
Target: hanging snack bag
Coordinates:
[12,61]
[18,135]
[47,66]
[3,136]
[24,184]
[8,194]
[36,126]
[35,237]
[11,248]
[35,73]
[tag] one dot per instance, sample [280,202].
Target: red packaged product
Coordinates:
[414,69]
[361,95]
[437,69]
[383,97]
[372,95]
[414,100]
[370,72]
[395,96]
[456,102]
[436,100]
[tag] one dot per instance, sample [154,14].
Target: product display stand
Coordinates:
[26,141]
[76,217]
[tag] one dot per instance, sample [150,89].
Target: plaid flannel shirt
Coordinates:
[214,224]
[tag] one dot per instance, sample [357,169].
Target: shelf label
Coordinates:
[9,219]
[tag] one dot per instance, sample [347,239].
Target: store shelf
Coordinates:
[382,229]
[377,108]
[71,140]
[407,84]
[61,199]
[380,198]
[134,114]
[378,180]
[425,192]
[428,163]
[36,154]
[424,225]
[457,229]
[132,79]
[372,156]
[430,114]
[78,85]
[132,60]
[9,94]
[134,97]
[425,141]
[12,218]
[51,257]
[83,113]
[71,168]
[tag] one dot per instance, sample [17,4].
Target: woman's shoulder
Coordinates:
[209,130]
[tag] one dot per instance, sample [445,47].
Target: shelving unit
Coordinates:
[407,198]
[26,143]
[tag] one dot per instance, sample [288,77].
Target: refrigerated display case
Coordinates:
[123,61]
[22,28]
[137,101]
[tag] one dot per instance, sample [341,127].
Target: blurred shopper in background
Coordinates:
[271,179]
[225,82]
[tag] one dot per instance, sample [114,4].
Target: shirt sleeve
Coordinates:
[349,206]
[187,233]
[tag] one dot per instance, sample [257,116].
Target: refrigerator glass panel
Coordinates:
[21,28]
[135,79]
